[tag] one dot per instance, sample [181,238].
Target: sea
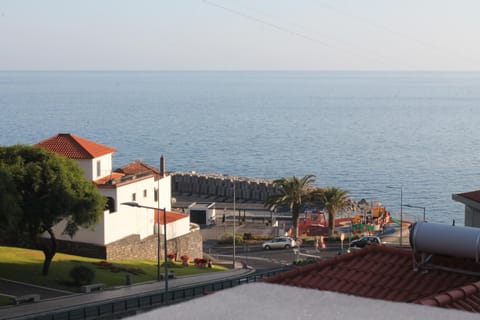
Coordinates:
[387,137]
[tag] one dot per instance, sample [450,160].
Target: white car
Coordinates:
[279,243]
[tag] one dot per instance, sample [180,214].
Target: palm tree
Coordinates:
[333,199]
[293,192]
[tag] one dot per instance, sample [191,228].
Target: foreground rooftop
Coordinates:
[272,301]
[386,273]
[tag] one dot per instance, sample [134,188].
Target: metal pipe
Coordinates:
[165,248]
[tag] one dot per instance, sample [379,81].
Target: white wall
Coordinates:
[126,221]
[177,228]
[91,235]
[86,165]
[89,166]
[165,192]
[131,220]
[105,166]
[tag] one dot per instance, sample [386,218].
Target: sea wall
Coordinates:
[221,186]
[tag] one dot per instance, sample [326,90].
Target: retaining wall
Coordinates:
[132,247]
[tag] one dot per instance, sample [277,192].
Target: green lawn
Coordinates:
[4,300]
[26,266]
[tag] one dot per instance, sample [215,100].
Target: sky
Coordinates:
[408,35]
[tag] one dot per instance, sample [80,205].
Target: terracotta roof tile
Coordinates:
[137,167]
[75,147]
[171,216]
[466,298]
[386,273]
[112,176]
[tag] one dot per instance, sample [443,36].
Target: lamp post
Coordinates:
[401,211]
[418,207]
[134,204]
[234,196]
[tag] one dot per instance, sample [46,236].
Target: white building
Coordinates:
[471,200]
[135,182]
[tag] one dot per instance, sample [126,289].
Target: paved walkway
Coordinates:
[15,288]
[59,303]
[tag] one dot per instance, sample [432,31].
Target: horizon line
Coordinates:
[241,70]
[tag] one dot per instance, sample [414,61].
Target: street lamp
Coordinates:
[401,211]
[234,240]
[418,207]
[136,205]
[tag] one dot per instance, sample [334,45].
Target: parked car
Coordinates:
[365,241]
[279,243]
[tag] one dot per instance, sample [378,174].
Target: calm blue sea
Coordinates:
[362,131]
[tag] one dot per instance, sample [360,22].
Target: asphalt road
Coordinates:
[255,257]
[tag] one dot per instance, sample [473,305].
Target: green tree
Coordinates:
[41,189]
[293,192]
[333,199]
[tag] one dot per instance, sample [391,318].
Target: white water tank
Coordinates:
[445,239]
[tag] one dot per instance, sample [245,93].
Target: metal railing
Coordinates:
[127,306]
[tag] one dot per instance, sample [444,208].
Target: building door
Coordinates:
[198,216]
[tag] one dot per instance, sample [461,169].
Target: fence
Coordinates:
[127,306]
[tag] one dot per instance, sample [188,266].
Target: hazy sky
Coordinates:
[240,35]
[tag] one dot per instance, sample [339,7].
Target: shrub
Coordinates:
[227,238]
[200,262]
[102,264]
[82,275]
[304,262]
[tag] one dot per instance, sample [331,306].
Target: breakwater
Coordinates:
[221,187]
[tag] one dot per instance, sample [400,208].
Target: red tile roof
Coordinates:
[110,177]
[171,216]
[137,167]
[465,298]
[472,195]
[386,273]
[75,147]
[132,172]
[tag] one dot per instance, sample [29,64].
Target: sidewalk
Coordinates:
[57,304]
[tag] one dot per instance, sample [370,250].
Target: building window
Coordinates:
[145,193]
[155,195]
[110,205]
[134,197]
[99,168]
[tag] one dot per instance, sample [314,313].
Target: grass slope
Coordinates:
[26,265]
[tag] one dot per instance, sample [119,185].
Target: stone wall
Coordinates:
[212,185]
[133,247]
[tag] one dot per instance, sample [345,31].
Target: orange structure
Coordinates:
[312,223]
